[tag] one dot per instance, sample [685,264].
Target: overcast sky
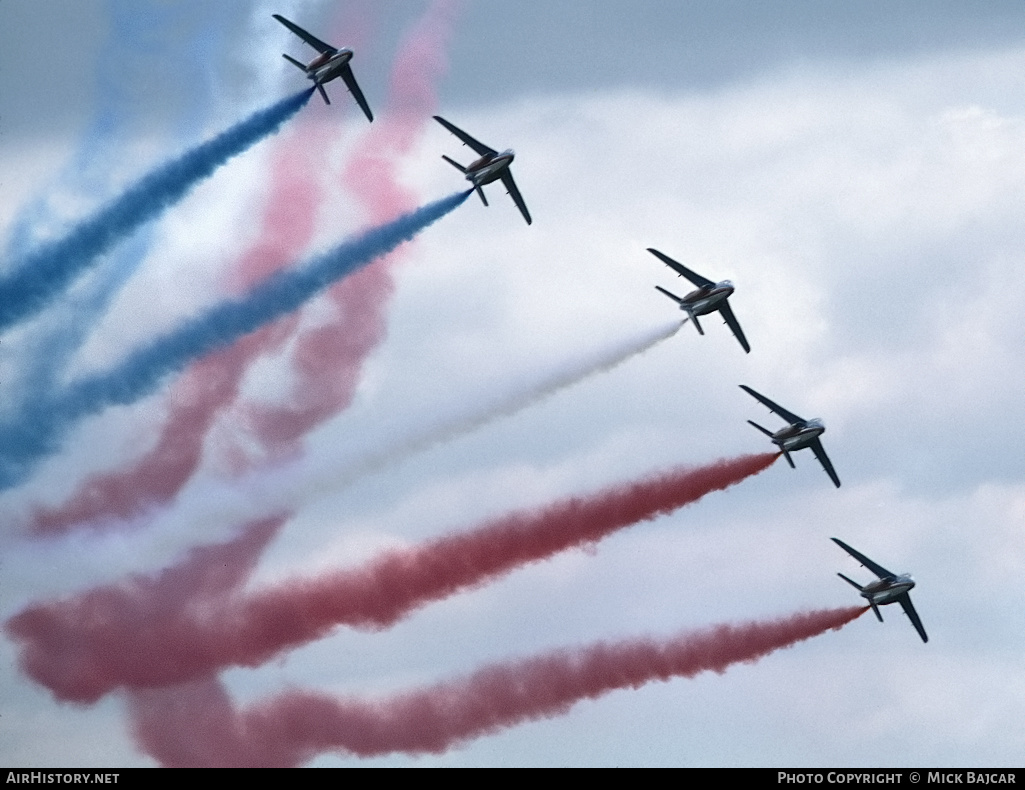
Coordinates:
[857,169]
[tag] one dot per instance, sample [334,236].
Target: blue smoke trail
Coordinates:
[138,45]
[38,277]
[38,430]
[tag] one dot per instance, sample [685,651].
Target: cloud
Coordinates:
[869,216]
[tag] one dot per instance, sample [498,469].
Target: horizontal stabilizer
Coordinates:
[480,192]
[766,431]
[672,296]
[851,582]
[323,93]
[293,61]
[789,459]
[454,164]
[694,318]
[875,609]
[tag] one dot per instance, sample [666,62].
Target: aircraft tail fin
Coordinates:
[323,93]
[454,164]
[875,609]
[293,61]
[789,459]
[694,319]
[480,192]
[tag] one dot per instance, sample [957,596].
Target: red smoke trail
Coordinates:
[327,360]
[206,575]
[199,396]
[197,725]
[86,646]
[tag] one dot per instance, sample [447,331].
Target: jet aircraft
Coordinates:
[708,298]
[888,588]
[328,65]
[491,166]
[799,434]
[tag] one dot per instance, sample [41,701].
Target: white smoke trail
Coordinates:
[212,510]
[566,376]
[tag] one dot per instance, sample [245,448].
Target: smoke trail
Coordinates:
[327,360]
[224,323]
[161,473]
[205,575]
[163,470]
[40,276]
[570,374]
[135,48]
[197,725]
[84,647]
[288,223]
[36,433]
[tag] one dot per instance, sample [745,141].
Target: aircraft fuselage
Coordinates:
[884,591]
[707,299]
[489,168]
[798,435]
[328,66]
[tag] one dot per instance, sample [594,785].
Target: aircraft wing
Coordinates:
[789,416]
[514,193]
[313,41]
[476,145]
[682,270]
[357,94]
[875,567]
[734,325]
[820,453]
[916,621]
